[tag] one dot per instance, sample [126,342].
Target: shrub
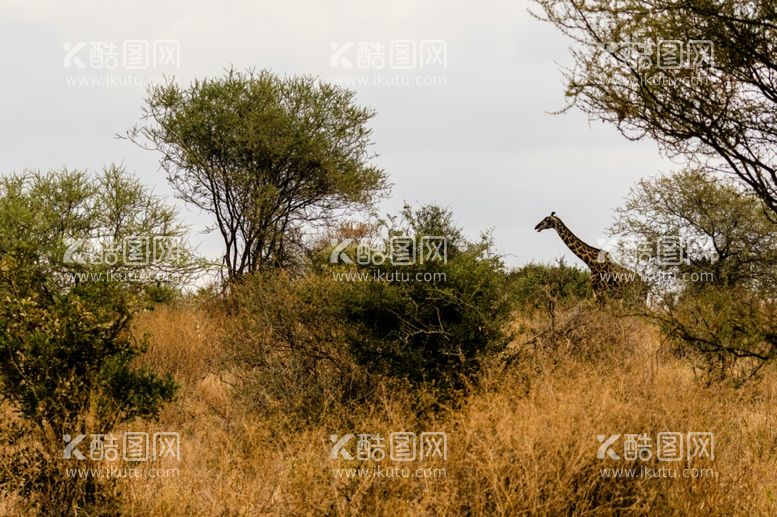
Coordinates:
[303,344]
[726,333]
[431,321]
[76,226]
[62,360]
[710,249]
[287,341]
[548,288]
[66,367]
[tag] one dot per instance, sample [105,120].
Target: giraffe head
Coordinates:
[548,222]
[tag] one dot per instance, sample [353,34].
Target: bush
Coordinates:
[76,226]
[548,288]
[59,361]
[434,320]
[66,367]
[287,340]
[304,344]
[728,334]
[710,249]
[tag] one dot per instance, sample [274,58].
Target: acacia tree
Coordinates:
[265,155]
[692,227]
[715,279]
[74,225]
[699,77]
[68,357]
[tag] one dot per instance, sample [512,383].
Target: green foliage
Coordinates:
[432,321]
[540,286]
[63,360]
[715,297]
[161,293]
[66,364]
[727,333]
[308,343]
[71,226]
[265,155]
[722,233]
[314,341]
[287,339]
[66,351]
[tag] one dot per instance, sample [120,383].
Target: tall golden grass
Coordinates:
[522,442]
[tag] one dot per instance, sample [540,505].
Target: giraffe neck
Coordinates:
[584,252]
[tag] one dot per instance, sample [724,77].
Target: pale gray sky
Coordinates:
[482,144]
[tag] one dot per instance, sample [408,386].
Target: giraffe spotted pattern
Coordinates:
[609,280]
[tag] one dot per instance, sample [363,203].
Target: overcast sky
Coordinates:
[467,127]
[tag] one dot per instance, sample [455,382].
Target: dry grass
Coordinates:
[524,442]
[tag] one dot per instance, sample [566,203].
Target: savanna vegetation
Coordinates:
[322,319]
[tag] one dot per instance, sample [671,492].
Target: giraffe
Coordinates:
[608,278]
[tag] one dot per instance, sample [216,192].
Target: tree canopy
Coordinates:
[699,77]
[691,227]
[265,155]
